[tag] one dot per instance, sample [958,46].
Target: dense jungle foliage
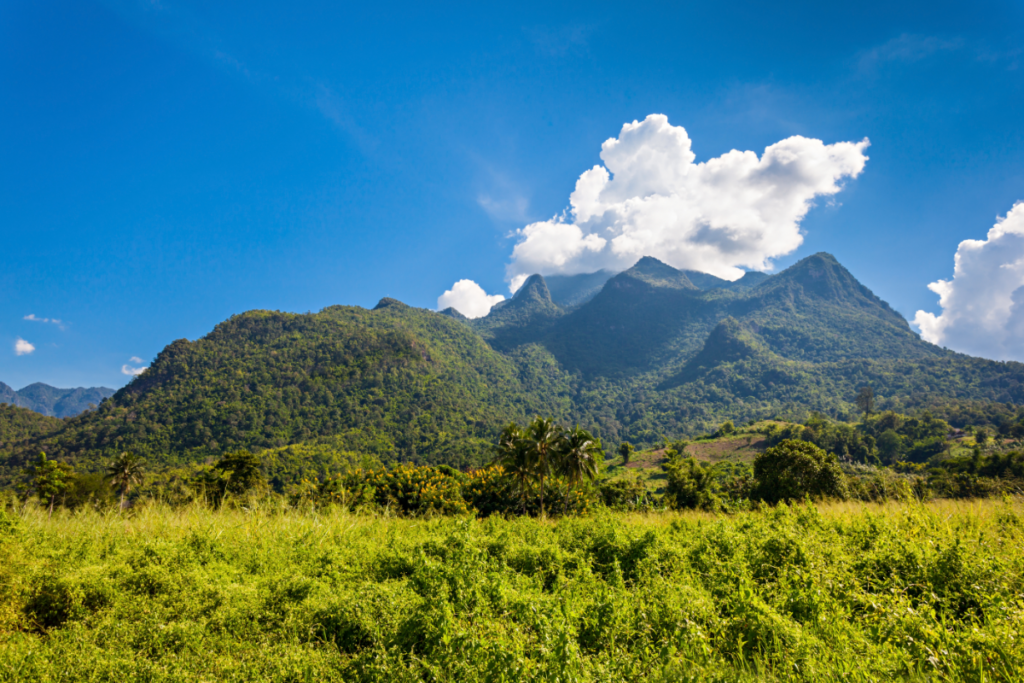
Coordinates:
[836,593]
[18,424]
[650,358]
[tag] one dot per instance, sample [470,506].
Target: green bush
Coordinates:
[793,470]
[691,485]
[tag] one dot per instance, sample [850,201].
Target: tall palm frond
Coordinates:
[579,456]
[125,471]
[516,456]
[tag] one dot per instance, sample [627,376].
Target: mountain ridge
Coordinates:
[651,356]
[53,402]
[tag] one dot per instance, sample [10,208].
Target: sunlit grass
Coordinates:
[837,591]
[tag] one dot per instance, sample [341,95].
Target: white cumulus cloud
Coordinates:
[983,305]
[469,299]
[22,347]
[135,359]
[650,199]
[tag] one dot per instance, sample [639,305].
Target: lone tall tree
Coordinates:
[625,450]
[125,471]
[544,437]
[866,401]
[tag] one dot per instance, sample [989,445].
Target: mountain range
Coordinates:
[54,402]
[642,355]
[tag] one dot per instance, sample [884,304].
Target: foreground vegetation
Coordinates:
[838,592]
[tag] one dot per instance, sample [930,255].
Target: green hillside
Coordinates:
[396,382]
[18,424]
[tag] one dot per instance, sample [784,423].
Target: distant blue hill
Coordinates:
[54,402]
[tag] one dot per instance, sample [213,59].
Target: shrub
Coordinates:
[625,494]
[795,469]
[691,485]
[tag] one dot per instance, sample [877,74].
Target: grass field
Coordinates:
[848,592]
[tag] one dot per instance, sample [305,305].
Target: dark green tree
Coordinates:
[125,471]
[626,451]
[690,485]
[241,472]
[866,401]
[794,469]
[890,446]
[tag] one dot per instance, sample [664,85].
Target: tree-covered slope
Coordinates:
[396,382]
[18,424]
[643,317]
[654,357]
[652,317]
[522,319]
[816,310]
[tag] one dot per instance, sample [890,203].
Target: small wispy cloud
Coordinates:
[135,359]
[905,49]
[52,321]
[335,109]
[513,209]
[22,347]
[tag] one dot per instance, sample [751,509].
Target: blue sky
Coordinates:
[168,164]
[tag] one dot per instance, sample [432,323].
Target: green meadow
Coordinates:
[842,591]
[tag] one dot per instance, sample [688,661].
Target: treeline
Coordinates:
[887,456]
[543,468]
[536,469]
[889,438]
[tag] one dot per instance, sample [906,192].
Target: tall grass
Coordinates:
[849,592]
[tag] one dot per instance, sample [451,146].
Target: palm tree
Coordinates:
[516,456]
[544,437]
[125,471]
[578,457]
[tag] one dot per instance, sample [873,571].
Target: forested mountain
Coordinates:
[657,353]
[53,402]
[396,382]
